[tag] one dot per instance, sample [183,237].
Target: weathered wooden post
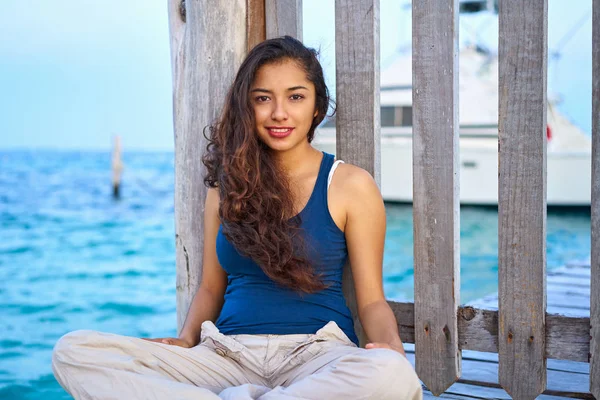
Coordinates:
[283,17]
[436,204]
[358,138]
[205,54]
[117,167]
[522,197]
[255,23]
[595,260]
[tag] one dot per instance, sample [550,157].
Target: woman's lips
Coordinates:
[280,132]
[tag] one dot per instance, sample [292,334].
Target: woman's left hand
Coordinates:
[399,349]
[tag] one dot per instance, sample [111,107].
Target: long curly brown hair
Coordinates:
[256,203]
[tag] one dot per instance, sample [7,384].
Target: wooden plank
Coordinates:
[554,365]
[478,329]
[566,338]
[255,23]
[578,273]
[435,190]
[572,281]
[483,373]
[522,196]
[595,256]
[428,396]
[199,66]
[573,269]
[573,290]
[284,17]
[357,122]
[468,390]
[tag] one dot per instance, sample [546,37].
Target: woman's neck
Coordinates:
[296,161]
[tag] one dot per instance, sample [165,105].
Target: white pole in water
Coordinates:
[117,167]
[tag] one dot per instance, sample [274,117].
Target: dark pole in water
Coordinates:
[117,167]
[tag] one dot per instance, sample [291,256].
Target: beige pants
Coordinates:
[325,365]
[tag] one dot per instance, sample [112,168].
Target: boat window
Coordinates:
[388,115]
[406,116]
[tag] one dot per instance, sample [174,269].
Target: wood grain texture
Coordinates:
[567,338]
[482,374]
[595,257]
[205,54]
[284,17]
[435,191]
[357,86]
[255,23]
[522,196]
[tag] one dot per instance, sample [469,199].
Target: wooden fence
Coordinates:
[209,38]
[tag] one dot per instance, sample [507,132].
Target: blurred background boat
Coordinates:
[568,148]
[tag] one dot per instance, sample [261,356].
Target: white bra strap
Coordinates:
[333,167]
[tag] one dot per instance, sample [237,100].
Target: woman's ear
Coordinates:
[316,113]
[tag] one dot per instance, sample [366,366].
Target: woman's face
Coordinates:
[284,105]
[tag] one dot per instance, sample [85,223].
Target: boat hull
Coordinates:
[568,173]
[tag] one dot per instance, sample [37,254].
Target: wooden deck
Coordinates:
[568,293]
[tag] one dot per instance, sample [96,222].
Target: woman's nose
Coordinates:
[279,112]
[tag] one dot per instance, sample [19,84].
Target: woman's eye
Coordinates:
[260,99]
[297,97]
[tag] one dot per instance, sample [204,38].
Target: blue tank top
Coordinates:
[255,304]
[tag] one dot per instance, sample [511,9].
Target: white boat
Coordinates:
[568,148]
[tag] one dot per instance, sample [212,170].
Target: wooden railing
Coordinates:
[209,39]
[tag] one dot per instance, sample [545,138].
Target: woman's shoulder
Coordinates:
[349,177]
[353,188]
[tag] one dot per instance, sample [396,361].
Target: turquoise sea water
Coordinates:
[71,257]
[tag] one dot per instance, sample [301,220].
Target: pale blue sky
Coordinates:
[75,72]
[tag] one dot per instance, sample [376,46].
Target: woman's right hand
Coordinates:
[172,341]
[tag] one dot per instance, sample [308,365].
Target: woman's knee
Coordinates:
[67,346]
[397,378]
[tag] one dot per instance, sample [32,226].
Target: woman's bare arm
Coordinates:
[365,236]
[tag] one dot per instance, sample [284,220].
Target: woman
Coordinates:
[269,320]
